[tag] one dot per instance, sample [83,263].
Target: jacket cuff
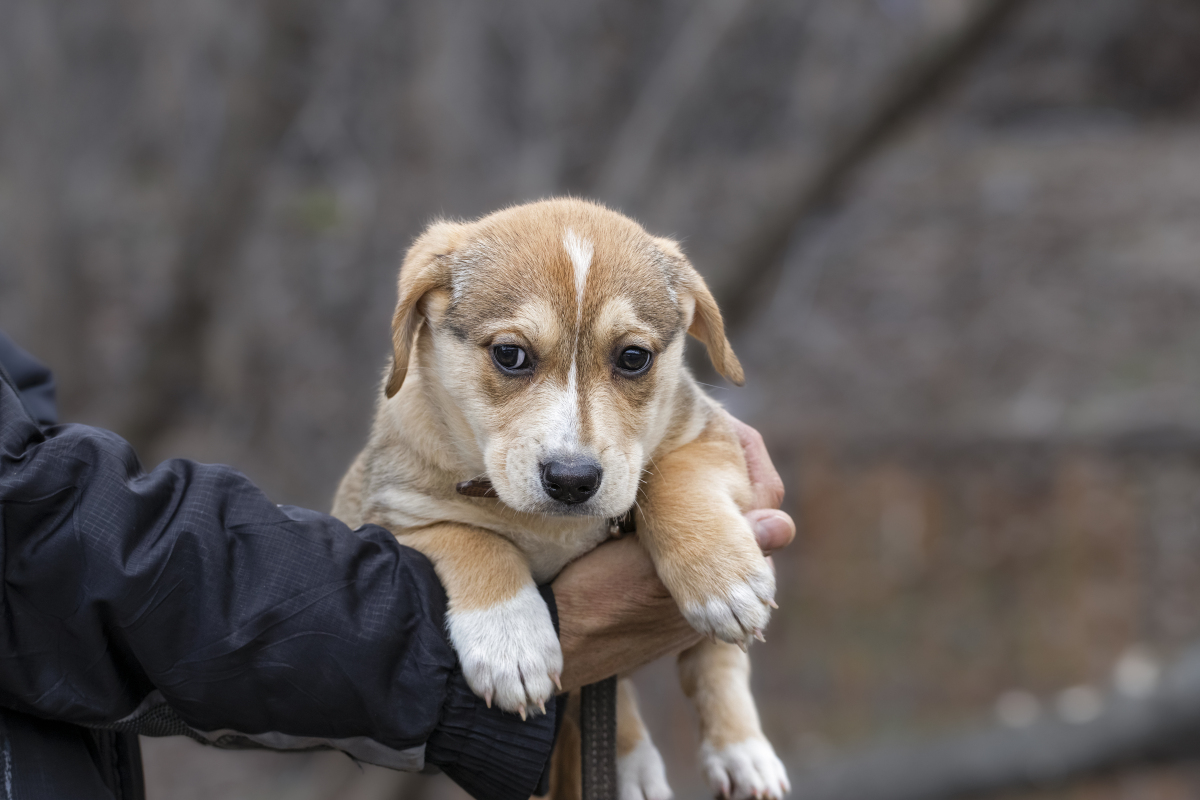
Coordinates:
[491,754]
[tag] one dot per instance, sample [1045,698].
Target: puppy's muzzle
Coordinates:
[571,480]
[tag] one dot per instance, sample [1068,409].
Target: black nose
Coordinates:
[571,480]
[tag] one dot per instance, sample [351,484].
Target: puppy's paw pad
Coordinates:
[745,770]
[509,652]
[738,614]
[641,774]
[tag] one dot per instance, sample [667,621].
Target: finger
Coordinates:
[772,529]
[764,480]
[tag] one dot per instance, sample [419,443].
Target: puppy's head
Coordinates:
[557,330]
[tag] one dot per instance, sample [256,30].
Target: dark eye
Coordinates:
[510,358]
[633,360]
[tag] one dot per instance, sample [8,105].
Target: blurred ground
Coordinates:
[977,367]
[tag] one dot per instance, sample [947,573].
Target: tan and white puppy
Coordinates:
[541,349]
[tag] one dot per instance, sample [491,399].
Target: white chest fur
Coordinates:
[548,554]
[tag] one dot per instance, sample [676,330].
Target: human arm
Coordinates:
[253,622]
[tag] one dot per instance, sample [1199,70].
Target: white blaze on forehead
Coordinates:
[564,414]
[580,250]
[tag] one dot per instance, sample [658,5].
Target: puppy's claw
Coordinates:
[732,612]
[541,706]
[521,711]
[554,676]
[750,768]
[742,644]
[508,654]
[758,634]
[771,602]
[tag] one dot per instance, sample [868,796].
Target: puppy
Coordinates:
[538,367]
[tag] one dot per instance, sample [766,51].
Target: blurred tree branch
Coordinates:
[760,255]
[636,146]
[1164,726]
[262,106]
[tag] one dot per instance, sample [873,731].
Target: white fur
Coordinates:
[563,428]
[467,264]
[562,419]
[508,651]
[734,616]
[458,285]
[641,774]
[580,250]
[743,770]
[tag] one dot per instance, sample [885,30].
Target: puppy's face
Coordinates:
[557,329]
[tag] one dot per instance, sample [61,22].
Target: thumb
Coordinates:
[773,529]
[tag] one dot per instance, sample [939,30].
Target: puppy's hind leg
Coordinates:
[735,757]
[640,771]
[566,769]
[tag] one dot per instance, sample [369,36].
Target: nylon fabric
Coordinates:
[249,619]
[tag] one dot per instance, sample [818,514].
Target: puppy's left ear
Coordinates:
[425,269]
[706,323]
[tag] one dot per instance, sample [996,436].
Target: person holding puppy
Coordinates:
[182,601]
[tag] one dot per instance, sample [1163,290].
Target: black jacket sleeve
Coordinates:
[186,588]
[33,380]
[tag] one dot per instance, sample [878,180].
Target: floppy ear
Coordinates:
[706,323]
[424,270]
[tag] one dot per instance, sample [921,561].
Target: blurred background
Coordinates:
[957,241]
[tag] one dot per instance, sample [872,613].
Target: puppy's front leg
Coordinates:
[498,623]
[736,758]
[705,553]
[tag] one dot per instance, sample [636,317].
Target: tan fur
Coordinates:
[457,551]
[422,272]
[630,728]
[573,284]
[347,502]
[691,512]
[707,324]
[716,678]
[565,763]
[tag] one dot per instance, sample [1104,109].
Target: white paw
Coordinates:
[741,613]
[509,652]
[641,774]
[747,769]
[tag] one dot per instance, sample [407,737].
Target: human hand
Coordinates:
[614,613]
[773,528]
